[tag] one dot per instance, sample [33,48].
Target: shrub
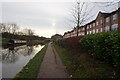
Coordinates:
[60,42]
[72,41]
[68,42]
[104,46]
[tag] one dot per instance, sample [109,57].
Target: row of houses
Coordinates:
[104,22]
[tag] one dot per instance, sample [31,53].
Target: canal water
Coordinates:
[13,59]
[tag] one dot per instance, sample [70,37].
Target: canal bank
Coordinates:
[31,69]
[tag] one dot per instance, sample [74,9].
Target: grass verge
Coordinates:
[32,68]
[82,65]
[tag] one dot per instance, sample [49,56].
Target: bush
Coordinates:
[104,46]
[60,42]
[71,42]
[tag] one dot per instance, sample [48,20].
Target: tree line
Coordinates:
[12,31]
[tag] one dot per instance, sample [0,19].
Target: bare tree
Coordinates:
[30,32]
[8,27]
[20,33]
[2,27]
[81,14]
[14,28]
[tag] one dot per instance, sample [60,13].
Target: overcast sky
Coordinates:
[45,18]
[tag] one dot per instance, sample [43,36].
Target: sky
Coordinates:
[45,18]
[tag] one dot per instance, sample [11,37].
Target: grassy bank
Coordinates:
[32,68]
[82,65]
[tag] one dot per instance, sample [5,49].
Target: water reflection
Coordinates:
[11,54]
[13,59]
[29,50]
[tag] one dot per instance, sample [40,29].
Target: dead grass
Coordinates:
[81,65]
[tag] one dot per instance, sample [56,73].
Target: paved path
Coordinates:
[52,66]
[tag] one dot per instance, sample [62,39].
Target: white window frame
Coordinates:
[114,16]
[96,30]
[90,32]
[87,27]
[114,27]
[93,24]
[101,21]
[97,23]
[93,31]
[107,28]
[90,26]
[87,32]
[108,19]
[101,29]
[83,28]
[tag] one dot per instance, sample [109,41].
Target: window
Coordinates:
[79,34]
[101,21]
[90,26]
[96,30]
[93,24]
[83,29]
[83,33]
[107,19]
[93,31]
[114,26]
[90,32]
[87,32]
[114,16]
[107,28]
[97,23]
[87,27]
[101,30]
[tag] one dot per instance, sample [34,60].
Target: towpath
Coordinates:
[52,66]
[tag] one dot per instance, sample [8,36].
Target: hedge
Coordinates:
[104,46]
[60,42]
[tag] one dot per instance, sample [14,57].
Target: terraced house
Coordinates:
[104,22]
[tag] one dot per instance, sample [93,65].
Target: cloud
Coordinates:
[39,16]
[36,15]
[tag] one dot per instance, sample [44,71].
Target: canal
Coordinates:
[13,59]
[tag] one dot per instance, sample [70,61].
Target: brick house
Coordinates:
[89,27]
[67,34]
[81,31]
[104,22]
[112,21]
